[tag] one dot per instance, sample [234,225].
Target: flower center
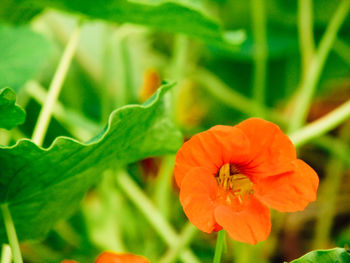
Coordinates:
[230,179]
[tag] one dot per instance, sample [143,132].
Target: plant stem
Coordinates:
[124,94]
[178,70]
[335,147]
[186,236]
[322,125]
[11,234]
[55,87]
[232,98]
[77,124]
[219,246]
[342,49]
[154,217]
[309,83]
[260,51]
[6,255]
[163,185]
[305,30]
[328,195]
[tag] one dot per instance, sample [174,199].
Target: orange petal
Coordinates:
[111,257]
[291,191]
[249,224]
[197,197]
[211,149]
[271,150]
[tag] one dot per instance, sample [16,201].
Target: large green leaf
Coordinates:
[42,186]
[165,16]
[335,255]
[22,54]
[10,113]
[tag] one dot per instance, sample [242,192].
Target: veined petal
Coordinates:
[111,257]
[197,196]
[291,191]
[249,224]
[271,151]
[211,149]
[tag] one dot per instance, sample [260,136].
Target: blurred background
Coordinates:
[257,70]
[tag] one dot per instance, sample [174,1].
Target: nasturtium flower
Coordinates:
[229,176]
[111,257]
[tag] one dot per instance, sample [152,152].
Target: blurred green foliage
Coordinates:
[126,48]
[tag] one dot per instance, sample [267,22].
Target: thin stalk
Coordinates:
[55,87]
[125,78]
[78,125]
[11,234]
[328,197]
[6,255]
[329,194]
[335,147]
[322,125]
[305,30]
[178,70]
[151,213]
[309,83]
[187,235]
[163,185]
[342,49]
[232,98]
[260,51]
[220,241]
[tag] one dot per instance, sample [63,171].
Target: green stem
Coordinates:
[305,30]
[187,235]
[309,83]
[78,125]
[155,218]
[335,147]
[327,199]
[125,79]
[260,51]
[178,70]
[55,88]
[11,234]
[6,255]
[342,49]
[232,98]
[328,196]
[220,241]
[163,185]
[322,125]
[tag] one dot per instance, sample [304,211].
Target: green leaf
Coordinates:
[42,186]
[10,114]
[22,55]
[335,255]
[12,12]
[165,16]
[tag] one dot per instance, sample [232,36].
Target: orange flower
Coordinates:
[229,176]
[111,257]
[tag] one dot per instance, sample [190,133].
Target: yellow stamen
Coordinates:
[230,179]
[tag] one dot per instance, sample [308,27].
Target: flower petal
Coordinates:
[249,224]
[289,192]
[197,197]
[211,149]
[111,257]
[271,150]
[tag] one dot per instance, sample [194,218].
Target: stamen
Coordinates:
[230,179]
